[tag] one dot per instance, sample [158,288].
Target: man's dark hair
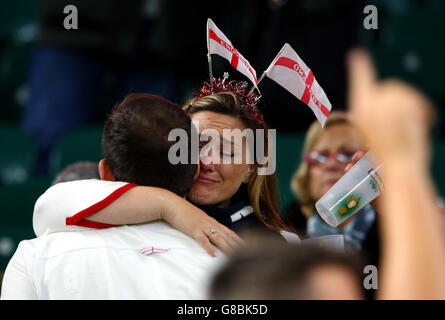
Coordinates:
[135,143]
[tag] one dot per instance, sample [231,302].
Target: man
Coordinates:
[147,261]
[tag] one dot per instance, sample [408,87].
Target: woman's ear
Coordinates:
[104,171]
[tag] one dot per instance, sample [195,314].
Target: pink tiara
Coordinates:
[248,97]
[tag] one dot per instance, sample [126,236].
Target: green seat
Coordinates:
[17,156]
[14,63]
[80,145]
[289,147]
[17,203]
[18,29]
[407,45]
[16,14]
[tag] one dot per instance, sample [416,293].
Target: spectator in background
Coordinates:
[78,171]
[268,270]
[326,153]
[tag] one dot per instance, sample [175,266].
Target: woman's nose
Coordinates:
[206,160]
[332,164]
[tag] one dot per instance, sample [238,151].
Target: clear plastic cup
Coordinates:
[358,187]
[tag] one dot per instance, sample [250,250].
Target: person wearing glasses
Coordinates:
[326,154]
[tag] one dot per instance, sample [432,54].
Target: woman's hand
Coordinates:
[355,158]
[187,218]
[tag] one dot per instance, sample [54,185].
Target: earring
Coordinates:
[246,176]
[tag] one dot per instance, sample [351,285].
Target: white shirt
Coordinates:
[111,264]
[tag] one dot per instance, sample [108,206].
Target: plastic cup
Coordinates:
[358,187]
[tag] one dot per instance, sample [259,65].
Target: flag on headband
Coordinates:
[217,43]
[289,71]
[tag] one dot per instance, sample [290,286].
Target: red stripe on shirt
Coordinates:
[78,218]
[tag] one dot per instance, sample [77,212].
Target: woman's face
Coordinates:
[218,182]
[337,139]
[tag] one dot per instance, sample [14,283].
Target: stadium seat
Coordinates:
[80,145]
[289,146]
[16,14]
[14,62]
[17,155]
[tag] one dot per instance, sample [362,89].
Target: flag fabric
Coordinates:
[218,43]
[289,71]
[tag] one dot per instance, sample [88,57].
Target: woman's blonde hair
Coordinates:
[261,189]
[300,178]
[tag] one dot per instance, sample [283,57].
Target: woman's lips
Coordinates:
[206,179]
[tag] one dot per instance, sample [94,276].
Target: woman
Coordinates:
[227,192]
[223,185]
[327,152]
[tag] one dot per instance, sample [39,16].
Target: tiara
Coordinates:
[249,98]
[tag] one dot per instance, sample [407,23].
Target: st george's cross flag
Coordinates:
[217,43]
[289,71]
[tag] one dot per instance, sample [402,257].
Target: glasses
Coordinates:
[316,157]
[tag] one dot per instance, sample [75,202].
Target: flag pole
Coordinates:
[209,60]
[209,57]
[258,82]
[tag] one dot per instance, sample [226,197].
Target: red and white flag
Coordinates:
[217,43]
[289,71]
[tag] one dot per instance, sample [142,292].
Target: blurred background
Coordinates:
[57,85]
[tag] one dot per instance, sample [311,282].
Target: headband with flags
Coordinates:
[287,69]
[218,43]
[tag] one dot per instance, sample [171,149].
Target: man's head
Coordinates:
[135,144]
[268,269]
[78,171]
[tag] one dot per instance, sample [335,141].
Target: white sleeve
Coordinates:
[290,237]
[64,206]
[17,281]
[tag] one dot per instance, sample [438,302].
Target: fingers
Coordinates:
[349,166]
[204,241]
[362,75]
[226,239]
[356,157]
[221,242]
